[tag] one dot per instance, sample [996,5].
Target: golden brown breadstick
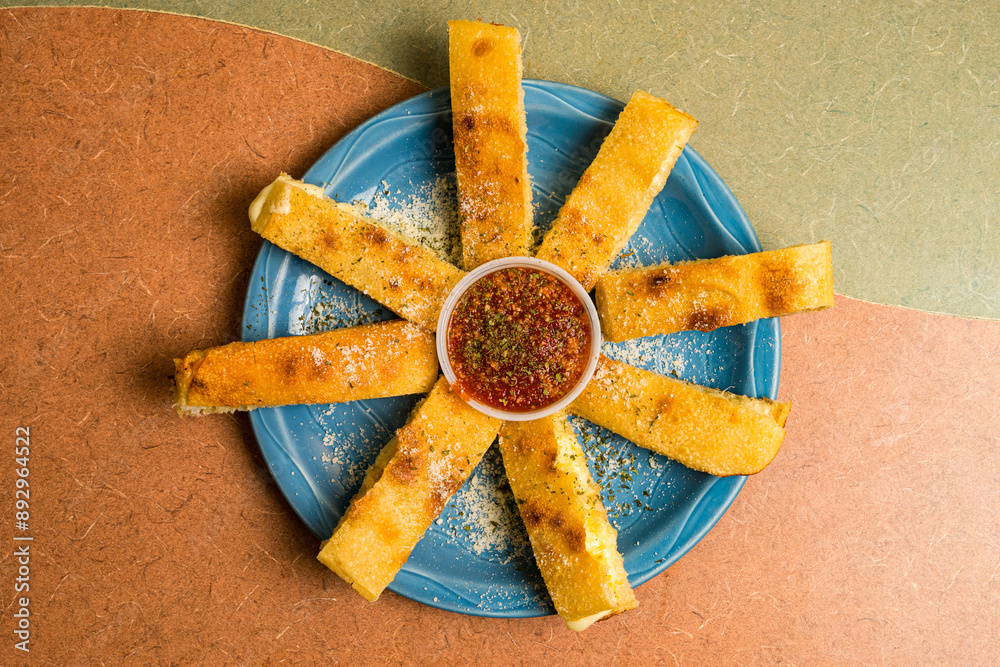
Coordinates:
[712,293]
[613,195]
[574,544]
[491,164]
[705,429]
[404,491]
[400,274]
[371,361]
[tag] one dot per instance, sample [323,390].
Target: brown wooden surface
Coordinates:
[130,146]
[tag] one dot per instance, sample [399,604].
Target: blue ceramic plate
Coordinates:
[476,559]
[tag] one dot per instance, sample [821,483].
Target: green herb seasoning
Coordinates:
[518,340]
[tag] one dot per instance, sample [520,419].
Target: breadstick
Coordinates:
[613,195]
[400,274]
[491,162]
[404,491]
[712,293]
[705,429]
[574,544]
[371,361]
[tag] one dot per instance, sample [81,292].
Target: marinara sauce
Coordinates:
[518,340]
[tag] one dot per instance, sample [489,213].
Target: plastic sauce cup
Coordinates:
[465,283]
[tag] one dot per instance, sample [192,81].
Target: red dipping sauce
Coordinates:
[518,340]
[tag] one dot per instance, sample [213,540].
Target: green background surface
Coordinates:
[873,124]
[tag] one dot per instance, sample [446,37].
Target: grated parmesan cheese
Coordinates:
[428,215]
[485,515]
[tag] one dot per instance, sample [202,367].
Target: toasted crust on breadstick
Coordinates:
[426,461]
[491,163]
[712,293]
[574,544]
[399,273]
[705,429]
[371,361]
[614,194]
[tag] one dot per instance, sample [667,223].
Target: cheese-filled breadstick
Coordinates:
[491,162]
[710,293]
[399,273]
[705,429]
[617,189]
[426,461]
[574,544]
[370,361]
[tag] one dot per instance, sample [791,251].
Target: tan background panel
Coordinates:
[875,124]
[126,163]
